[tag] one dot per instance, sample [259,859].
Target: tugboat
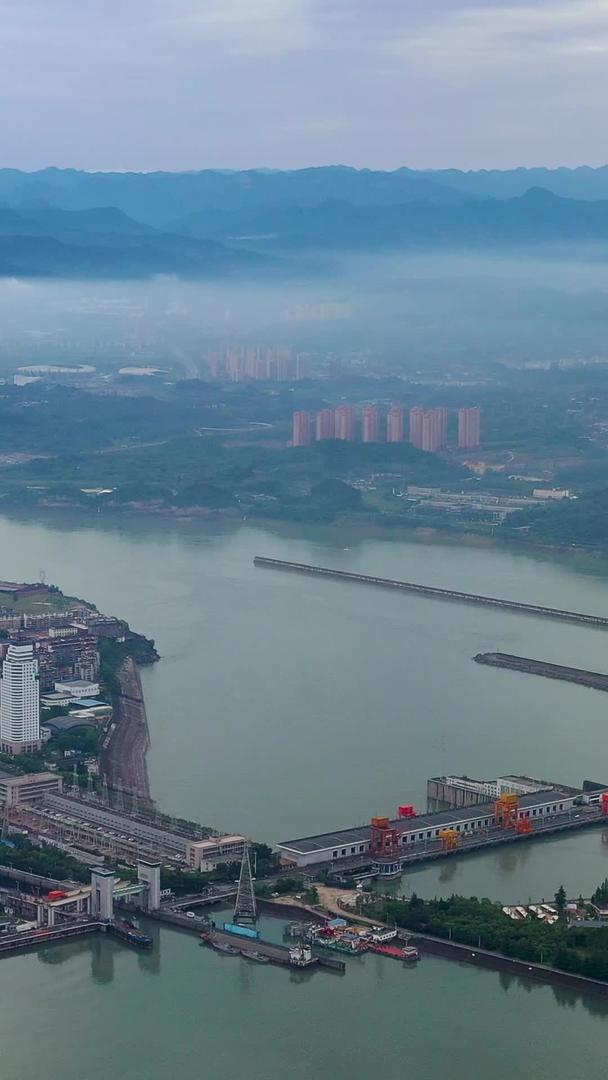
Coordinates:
[224,948]
[301,956]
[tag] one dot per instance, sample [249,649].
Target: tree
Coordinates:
[600,896]
[560,901]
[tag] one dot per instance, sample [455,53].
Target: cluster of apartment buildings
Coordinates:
[427,429]
[277,363]
[55,656]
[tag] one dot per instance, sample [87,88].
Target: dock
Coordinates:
[594,679]
[273,953]
[541,611]
[46,935]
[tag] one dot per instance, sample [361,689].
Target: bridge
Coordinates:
[598,621]
[203,899]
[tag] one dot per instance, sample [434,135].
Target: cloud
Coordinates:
[496,35]
[234,83]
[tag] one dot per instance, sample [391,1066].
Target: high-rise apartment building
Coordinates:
[431,431]
[19,701]
[371,423]
[301,429]
[469,428]
[395,424]
[325,425]
[346,422]
[416,418]
[442,413]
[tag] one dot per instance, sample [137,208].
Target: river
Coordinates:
[100,1009]
[284,705]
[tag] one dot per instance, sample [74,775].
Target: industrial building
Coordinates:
[411,831]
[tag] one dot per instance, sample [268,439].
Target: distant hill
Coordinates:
[538,217]
[158,198]
[39,239]
[42,240]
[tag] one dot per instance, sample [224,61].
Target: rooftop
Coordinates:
[438,819]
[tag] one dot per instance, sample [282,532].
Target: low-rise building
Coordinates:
[206,854]
[78,688]
[30,788]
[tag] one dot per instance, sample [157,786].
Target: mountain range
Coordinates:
[215,223]
[158,198]
[536,218]
[46,241]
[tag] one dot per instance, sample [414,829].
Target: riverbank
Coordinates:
[450,950]
[352,528]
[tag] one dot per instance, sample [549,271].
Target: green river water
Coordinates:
[284,706]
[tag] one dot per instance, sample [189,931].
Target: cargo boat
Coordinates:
[255,955]
[397,952]
[130,933]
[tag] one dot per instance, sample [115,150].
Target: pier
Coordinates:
[598,621]
[209,935]
[45,935]
[594,679]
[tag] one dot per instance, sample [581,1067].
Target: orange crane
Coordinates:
[384,838]
[506,811]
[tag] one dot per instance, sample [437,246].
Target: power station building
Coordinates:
[414,832]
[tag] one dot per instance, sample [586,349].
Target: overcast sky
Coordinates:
[190,84]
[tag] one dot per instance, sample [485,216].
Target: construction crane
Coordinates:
[450,839]
[506,811]
[384,838]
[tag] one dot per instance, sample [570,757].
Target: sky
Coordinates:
[192,84]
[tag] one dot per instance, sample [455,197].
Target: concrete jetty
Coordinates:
[598,621]
[594,679]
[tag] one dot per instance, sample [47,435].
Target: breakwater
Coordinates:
[594,679]
[433,591]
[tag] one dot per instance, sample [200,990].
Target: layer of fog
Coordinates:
[406,312]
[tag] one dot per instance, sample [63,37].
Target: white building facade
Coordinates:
[20,701]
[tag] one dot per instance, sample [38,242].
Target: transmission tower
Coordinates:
[245,907]
[134,803]
[75,789]
[90,787]
[120,801]
[105,794]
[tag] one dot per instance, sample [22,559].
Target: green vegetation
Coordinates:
[582,522]
[42,859]
[113,654]
[600,896]
[283,886]
[184,882]
[196,447]
[482,923]
[46,600]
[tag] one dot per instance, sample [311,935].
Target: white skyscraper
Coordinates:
[19,701]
